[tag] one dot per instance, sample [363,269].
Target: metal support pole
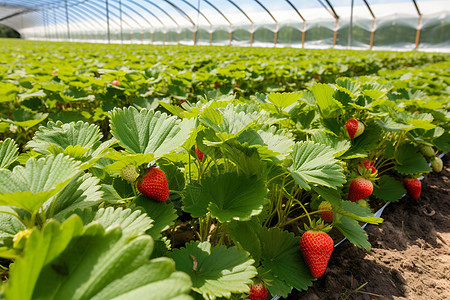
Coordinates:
[67,21]
[419,23]
[275,35]
[252,29]
[107,21]
[303,34]
[350,29]
[335,32]
[121,27]
[193,35]
[372,32]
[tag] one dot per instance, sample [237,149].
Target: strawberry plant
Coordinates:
[235,168]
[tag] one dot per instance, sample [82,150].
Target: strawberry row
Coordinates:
[218,188]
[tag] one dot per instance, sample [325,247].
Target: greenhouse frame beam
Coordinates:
[61,20]
[26,10]
[96,7]
[76,16]
[334,15]
[139,24]
[168,15]
[419,23]
[151,13]
[273,18]
[203,15]
[67,20]
[127,15]
[186,16]
[251,22]
[303,19]
[229,22]
[372,30]
[80,18]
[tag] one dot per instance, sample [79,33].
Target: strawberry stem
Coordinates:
[300,203]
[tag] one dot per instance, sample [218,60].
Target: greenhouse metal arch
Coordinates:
[358,24]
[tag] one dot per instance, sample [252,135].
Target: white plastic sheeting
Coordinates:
[250,22]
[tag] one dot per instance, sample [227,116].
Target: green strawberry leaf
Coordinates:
[328,106]
[30,186]
[246,159]
[163,214]
[10,224]
[281,255]
[8,152]
[314,164]
[388,189]
[61,136]
[443,142]
[27,118]
[122,159]
[355,211]
[228,122]
[366,142]
[8,91]
[81,192]
[275,285]
[348,85]
[71,262]
[409,160]
[246,235]
[228,196]
[147,131]
[340,146]
[215,271]
[353,232]
[131,222]
[268,142]
[283,100]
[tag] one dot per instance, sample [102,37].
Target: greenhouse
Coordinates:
[375,24]
[224,149]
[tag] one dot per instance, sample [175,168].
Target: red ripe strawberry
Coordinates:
[413,186]
[154,185]
[258,292]
[317,247]
[360,188]
[216,85]
[354,128]
[115,82]
[199,154]
[368,164]
[327,216]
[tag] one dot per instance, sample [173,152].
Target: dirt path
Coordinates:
[410,258]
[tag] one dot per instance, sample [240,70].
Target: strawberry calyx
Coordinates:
[316,225]
[258,291]
[367,169]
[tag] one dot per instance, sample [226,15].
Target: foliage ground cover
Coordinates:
[251,143]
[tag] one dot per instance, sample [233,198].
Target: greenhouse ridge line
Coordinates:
[31,19]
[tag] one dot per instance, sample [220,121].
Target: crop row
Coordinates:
[214,196]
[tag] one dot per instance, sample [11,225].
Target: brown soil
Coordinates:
[410,258]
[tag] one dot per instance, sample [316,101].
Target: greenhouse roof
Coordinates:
[65,19]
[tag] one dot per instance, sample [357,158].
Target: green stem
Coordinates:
[302,216]
[301,204]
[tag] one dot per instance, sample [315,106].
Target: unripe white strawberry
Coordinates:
[436,164]
[427,151]
[129,173]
